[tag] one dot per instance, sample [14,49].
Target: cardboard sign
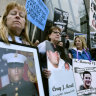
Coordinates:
[61,81]
[93,14]
[61,19]
[84,73]
[37,13]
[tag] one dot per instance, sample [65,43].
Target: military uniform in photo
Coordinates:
[19,87]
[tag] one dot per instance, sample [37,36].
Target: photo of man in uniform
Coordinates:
[87,80]
[18,86]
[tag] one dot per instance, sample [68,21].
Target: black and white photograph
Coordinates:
[61,18]
[93,39]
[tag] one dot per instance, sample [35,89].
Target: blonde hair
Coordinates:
[83,40]
[3,27]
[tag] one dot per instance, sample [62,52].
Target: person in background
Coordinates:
[18,86]
[93,53]
[67,43]
[35,42]
[53,38]
[80,50]
[60,43]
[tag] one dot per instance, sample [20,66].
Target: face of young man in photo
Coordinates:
[87,80]
[15,74]
[53,57]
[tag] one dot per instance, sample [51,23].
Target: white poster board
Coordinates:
[93,39]
[80,69]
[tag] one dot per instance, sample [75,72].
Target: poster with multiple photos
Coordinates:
[61,81]
[85,77]
[19,71]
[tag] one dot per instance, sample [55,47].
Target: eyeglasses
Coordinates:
[56,32]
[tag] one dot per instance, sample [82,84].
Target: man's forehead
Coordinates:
[87,75]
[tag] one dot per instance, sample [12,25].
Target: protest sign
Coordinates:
[84,73]
[61,19]
[19,70]
[93,14]
[93,39]
[61,81]
[37,13]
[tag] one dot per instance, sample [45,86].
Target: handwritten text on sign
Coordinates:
[37,13]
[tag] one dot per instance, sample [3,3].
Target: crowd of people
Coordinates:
[14,28]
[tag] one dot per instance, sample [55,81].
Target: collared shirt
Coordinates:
[18,39]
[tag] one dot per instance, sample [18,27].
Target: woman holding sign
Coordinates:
[51,44]
[13,27]
[80,50]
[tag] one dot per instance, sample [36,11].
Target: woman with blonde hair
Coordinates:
[80,50]
[13,25]
[14,28]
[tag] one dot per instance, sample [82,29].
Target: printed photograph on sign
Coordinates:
[59,83]
[84,73]
[93,39]
[93,14]
[61,19]
[19,71]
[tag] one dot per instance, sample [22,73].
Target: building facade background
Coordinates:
[77,20]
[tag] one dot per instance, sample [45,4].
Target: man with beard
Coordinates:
[87,80]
